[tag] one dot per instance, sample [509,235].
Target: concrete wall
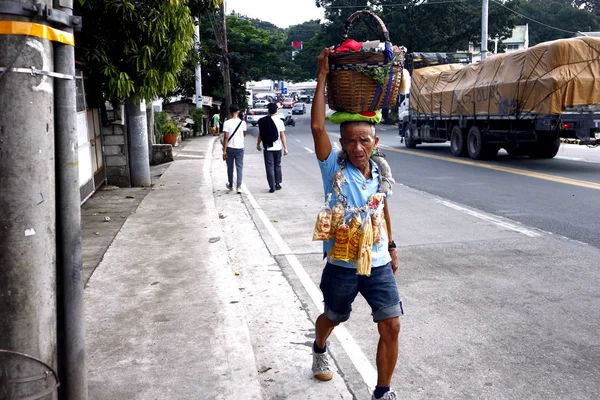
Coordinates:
[116,153]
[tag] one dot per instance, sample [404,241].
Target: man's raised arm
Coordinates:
[317,114]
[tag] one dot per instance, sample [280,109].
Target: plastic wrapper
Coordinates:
[365,246]
[339,251]
[376,204]
[353,237]
[376,221]
[337,219]
[323,224]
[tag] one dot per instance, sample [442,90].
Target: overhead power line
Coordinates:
[530,19]
[401,4]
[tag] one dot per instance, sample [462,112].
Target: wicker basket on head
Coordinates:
[349,89]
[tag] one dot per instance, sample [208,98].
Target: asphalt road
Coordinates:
[499,268]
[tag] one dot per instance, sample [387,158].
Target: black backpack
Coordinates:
[268,131]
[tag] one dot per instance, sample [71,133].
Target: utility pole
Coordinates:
[71,320]
[137,133]
[199,103]
[225,62]
[27,204]
[484,29]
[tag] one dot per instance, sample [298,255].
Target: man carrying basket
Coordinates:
[358,184]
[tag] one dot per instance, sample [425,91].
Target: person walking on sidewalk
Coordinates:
[358,177]
[216,123]
[272,134]
[234,132]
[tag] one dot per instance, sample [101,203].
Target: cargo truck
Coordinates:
[527,101]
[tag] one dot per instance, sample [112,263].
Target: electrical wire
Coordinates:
[399,4]
[530,19]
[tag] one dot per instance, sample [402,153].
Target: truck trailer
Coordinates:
[527,101]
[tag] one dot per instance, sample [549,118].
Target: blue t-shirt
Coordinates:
[357,197]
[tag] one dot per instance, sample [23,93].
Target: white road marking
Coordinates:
[336,146]
[358,358]
[490,219]
[310,150]
[298,140]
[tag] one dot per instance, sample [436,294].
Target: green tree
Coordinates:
[134,48]
[558,19]
[420,25]
[253,54]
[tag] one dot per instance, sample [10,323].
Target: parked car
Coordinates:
[255,114]
[288,103]
[299,108]
[261,103]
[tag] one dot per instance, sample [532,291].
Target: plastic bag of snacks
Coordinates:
[365,246]
[323,224]
[339,251]
[376,204]
[337,218]
[353,237]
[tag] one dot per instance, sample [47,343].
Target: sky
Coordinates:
[282,13]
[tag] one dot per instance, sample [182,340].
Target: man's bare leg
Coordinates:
[387,350]
[320,367]
[323,329]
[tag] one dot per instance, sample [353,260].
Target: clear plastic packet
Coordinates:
[365,246]
[353,237]
[323,224]
[376,205]
[337,218]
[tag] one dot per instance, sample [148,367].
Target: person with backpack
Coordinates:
[234,131]
[272,135]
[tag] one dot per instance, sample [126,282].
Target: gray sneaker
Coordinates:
[320,367]
[391,395]
[228,186]
[239,189]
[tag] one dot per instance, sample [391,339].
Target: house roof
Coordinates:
[519,35]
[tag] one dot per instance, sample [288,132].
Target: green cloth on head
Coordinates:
[339,117]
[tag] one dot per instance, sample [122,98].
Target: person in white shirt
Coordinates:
[234,131]
[272,136]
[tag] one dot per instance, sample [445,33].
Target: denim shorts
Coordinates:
[340,286]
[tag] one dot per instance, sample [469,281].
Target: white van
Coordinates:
[255,114]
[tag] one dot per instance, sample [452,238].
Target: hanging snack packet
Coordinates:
[337,218]
[376,204]
[339,251]
[323,224]
[363,266]
[353,237]
[376,220]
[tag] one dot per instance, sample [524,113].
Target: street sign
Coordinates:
[284,90]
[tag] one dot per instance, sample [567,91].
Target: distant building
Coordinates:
[519,39]
[591,34]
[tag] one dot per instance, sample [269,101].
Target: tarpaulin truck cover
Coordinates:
[543,79]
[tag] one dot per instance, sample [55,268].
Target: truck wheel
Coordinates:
[458,142]
[545,149]
[475,145]
[409,141]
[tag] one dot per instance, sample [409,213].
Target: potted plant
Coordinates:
[170,131]
[197,116]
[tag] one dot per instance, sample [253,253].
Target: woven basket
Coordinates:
[353,91]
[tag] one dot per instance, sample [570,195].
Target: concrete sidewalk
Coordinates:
[168,317]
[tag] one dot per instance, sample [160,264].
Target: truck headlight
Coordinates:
[597,135]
